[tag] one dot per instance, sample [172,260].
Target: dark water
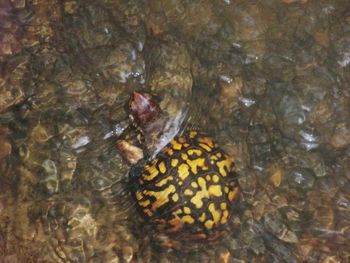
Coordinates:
[268,79]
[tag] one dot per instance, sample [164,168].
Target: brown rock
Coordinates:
[277,176]
[40,134]
[5,148]
[332,259]
[294,1]
[322,38]
[325,217]
[230,92]
[10,95]
[341,136]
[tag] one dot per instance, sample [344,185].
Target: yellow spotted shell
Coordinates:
[188,190]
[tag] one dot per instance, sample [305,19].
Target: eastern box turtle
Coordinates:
[188,190]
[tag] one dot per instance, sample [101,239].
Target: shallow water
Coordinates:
[268,79]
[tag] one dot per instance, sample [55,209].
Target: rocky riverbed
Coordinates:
[268,79]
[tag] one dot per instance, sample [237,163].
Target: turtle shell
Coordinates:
[188,190]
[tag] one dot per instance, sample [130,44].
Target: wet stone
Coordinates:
[73,137]
[248,182]
[49,177]
[38,29]
[5,148]
[279,67]
[308,138]
[277,173]
[341,135]
[250,22]
[11,89]
[278,251]
[343,51]
[10,31]
[257,245]
[302,178]
[327,185]
[294,218]
[288,107]
[230,91]
[122,63]
[342,203]
[312,160]
[332,259]
[70,7]
[68,161]
[323,218]
[40,134]
[274,224]
[127,254]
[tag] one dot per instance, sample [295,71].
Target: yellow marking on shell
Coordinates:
[223,164]
[184,156]
[144,203]
[147,212]
[194,164]
[178,211]
[187,210]
[208,177]
[194,151]
[232,194]
[193,134]
[183,171]
[215,213]
[206,140]
[176,145]
[139,196]
[170,152]
[164,181]
[214,158]
[205,147]
[180,183]
[194,185]
[160,221]
[203,193]
[223,205]
[226,189]
[188,219]
[177,224]
[209,224]
[224,217]
[175,197]
[162,167]
[215,178]
[202,217]
[153,172]
[215,190]
[219,154]
[186,145]
[188,192]
[165,149]
[174,162]
[162,197]
[182,139]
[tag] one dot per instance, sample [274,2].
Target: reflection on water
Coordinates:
[269,79]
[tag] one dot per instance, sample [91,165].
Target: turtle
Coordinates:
[187,190]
